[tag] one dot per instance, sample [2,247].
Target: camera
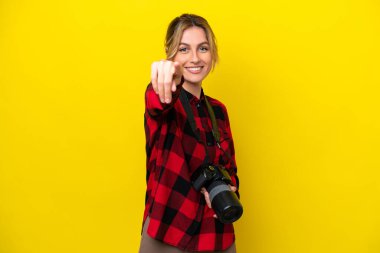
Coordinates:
[224,201]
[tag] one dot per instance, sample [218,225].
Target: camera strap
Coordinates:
[215,130]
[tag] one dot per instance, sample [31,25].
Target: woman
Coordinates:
[177,217]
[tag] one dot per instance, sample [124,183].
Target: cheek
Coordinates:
[207,58]
[179,58]
[208,69]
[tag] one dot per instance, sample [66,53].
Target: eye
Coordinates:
[182,49]
[203,49]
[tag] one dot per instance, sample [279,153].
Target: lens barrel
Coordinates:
[224,202]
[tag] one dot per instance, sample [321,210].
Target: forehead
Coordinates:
[194,35]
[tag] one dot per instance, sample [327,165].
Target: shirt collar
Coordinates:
[193,99]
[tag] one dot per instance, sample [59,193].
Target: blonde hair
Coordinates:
[179,25]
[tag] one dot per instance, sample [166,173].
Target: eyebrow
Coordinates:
[205,42]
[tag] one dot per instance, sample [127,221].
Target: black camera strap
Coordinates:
[215,130]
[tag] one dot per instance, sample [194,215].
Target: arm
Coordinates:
[231,166]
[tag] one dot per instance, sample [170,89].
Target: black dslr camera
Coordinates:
[224,202]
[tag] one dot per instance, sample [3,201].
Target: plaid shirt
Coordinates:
[178,213]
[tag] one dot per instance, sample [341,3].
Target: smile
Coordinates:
[194,70]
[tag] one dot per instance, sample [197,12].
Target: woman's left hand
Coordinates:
[207,196]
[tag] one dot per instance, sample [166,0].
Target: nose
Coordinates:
[195,57]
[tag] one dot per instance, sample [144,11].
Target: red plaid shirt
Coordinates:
[178,213]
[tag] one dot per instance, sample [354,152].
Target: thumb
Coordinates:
[177,74]
[174,86]
[177,69]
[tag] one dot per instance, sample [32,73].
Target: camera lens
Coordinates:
[225,203]
[231,214]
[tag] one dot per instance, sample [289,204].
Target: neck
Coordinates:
[193,88]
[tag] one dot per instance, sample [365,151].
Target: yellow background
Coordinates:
[300,80]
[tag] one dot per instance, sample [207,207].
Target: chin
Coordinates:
[194,80]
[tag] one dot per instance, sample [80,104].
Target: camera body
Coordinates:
[224,201]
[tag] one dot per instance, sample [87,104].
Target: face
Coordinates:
[194,55]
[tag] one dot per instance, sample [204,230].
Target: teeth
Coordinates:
[195,69]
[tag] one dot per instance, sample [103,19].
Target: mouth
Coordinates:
[194,70]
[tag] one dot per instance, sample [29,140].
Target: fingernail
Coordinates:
[162,100]
[168,100]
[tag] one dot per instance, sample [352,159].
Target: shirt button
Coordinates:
[209,143]
[198,105]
